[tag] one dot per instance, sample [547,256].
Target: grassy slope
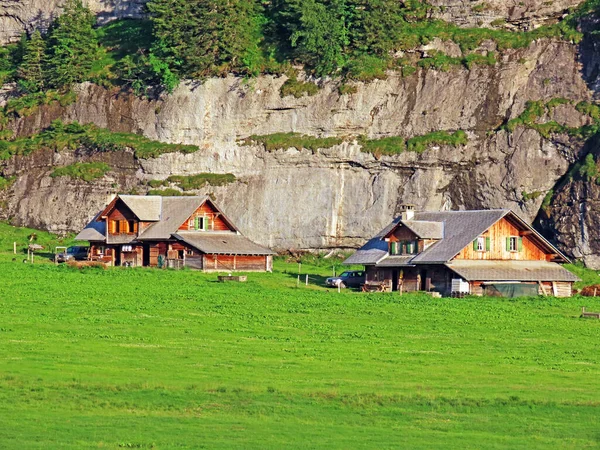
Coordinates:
[142,358]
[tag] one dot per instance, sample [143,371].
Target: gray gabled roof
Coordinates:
[425,229]
[510,271]
[222,243]
[374,250]
[395,261]
[460,228]
[175,211]
[93,231]
[146,208]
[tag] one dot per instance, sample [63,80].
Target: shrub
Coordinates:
[298,141]
[82,171]
[298,88]
[191,182]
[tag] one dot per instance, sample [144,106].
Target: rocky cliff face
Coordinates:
[520,14]
[339,196]
[19,16]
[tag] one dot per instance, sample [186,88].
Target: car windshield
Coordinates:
[72,250]
[346,274]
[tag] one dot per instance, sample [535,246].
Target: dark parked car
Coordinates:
[74,253]
[354,278]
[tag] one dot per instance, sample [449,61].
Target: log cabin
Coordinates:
[156,231]
[486,252]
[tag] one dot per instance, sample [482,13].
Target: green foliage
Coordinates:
[28,104]
[553,103]
[347,89]
[31,69]
[527,196]
[7,64]
[589,109]
[320,33]
[298,141]
[533,111]
[72,46]
[296,88]
[547,201]
[384,146]
[168,192]
[201,38]
[367,68]
[589,169]
[420,143]
[6,183]
[82,171]
[191,182]
[60,136]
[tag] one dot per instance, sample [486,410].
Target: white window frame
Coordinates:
[481,244]
[513,243]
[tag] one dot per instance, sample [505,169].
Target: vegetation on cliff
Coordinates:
[192,182]
[82,171]
[392,145]
[60,136]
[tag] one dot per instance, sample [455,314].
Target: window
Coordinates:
[514,244]
[203,223]
[482,244]
[395,248]
[132,227]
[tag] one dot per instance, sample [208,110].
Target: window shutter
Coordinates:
[508,244]
[197,223]
[204,223]
[475,245]
[113,226]
[393,248]
[520,244]
[416,248]
[488,244]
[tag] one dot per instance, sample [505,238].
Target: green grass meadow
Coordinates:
[146,358]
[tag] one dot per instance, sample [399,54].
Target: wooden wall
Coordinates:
[206,210]
[498,234]
[403,234]
[225,263]
[121,213]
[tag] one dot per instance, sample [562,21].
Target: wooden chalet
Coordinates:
[158,231]
[488,252]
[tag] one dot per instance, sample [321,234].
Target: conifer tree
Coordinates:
[72,46]
[199,38]
[31,71]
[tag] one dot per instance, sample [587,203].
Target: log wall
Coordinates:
[498,234]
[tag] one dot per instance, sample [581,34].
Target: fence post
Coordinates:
[15,247]
[339,288]
[307,279]
[298,282]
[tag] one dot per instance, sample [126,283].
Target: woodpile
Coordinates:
[591,291]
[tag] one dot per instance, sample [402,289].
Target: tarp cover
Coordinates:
[512,290]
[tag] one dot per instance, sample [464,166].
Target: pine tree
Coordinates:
[199,38]
[72,46]
[31,71]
